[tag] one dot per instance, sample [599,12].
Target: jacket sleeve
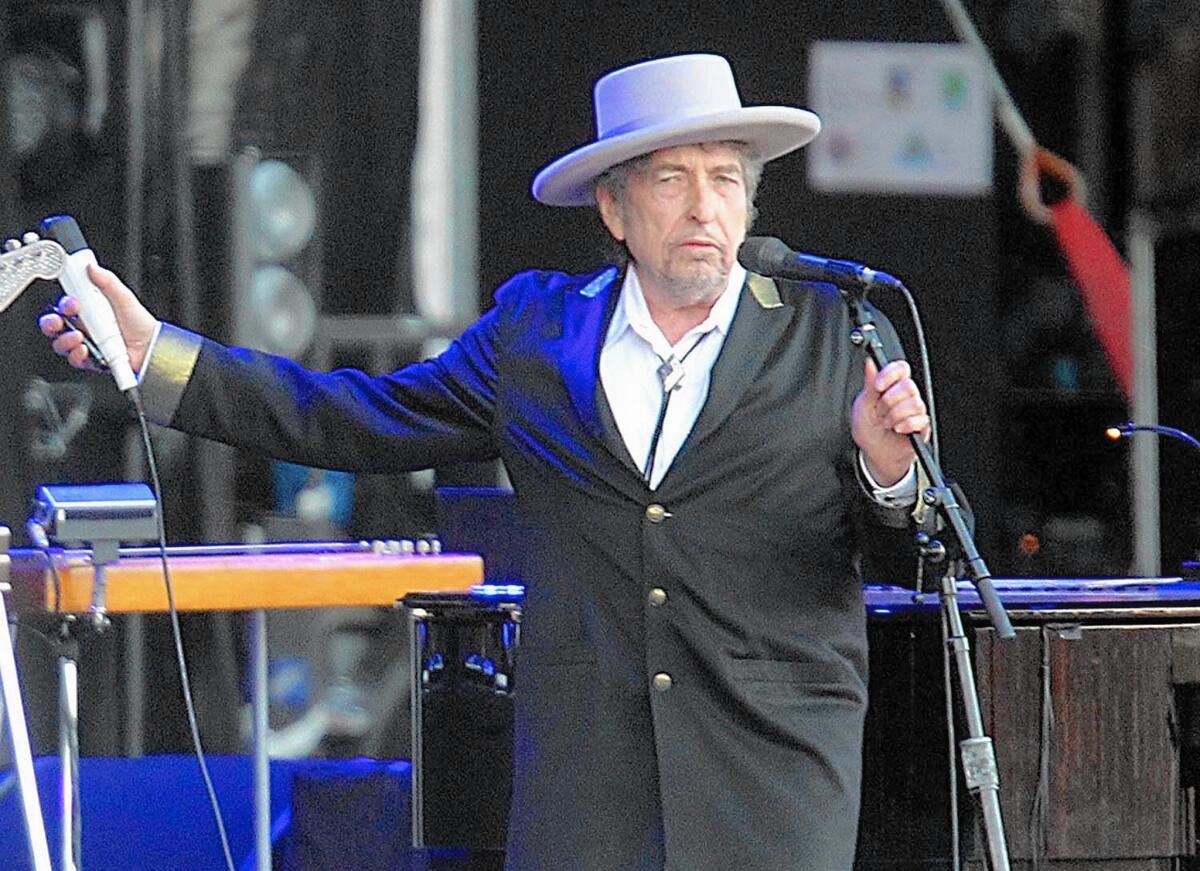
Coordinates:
[435,412]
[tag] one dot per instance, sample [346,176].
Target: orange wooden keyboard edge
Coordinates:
[247,582]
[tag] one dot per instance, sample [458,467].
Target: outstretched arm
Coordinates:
[431,413]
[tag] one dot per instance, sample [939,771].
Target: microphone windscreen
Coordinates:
[64,230]
[765,255]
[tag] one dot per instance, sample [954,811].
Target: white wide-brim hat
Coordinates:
[681,100]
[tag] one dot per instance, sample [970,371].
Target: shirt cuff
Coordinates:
[166,370]
[899,495]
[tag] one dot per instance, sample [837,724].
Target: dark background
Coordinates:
[1023,393]
[944,248]
[1022,390]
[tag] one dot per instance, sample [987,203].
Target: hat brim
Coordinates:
[772,131]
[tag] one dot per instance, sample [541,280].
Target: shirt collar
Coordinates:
[632,313]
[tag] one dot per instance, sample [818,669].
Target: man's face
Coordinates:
[683,217]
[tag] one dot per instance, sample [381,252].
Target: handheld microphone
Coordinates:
[768,256]
[96,313]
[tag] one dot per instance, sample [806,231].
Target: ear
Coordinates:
[610,213]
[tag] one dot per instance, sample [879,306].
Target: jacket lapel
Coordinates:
[612,432]
[586,312]
[760,320]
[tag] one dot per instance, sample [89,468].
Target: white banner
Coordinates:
[899,118]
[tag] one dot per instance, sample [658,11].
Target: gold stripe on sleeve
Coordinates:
[167,372]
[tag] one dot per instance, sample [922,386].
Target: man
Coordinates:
[691,460]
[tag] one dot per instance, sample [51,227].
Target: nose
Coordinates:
[704,201]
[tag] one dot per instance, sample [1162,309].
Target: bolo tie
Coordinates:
[670,375]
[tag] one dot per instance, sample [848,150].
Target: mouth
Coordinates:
[699,245]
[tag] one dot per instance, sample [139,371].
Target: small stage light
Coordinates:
[280,315]
[284,210]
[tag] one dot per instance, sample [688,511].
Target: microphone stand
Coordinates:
[977,753]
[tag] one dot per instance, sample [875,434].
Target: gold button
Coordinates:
[662,681]
[655,513]
[658,596]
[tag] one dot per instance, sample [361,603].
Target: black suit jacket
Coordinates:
[718,729]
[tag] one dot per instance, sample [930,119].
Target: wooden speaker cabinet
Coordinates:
[1094,711]
[1094,720]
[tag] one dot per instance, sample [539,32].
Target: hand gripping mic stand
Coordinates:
[977,753]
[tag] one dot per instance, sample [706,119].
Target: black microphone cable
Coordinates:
[952,749]
[774,248]
[37,535]
[135,399]
[947,665]
[58,226]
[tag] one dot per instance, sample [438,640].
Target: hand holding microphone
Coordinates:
[885,413]
[890,407]
[118,324]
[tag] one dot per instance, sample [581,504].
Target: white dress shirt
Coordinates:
[633,351]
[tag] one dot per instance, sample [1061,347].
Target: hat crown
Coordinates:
[664,103]
[664,90]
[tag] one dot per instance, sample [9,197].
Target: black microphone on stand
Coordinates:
[769,256]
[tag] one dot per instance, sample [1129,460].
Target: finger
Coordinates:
[870,373]
[67,342]
[902,391]
[78,356]
[901,414]
[51,325]
[890,413]
[104,279]
[906,408]
[917,423]
[68,305]
[893,372]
